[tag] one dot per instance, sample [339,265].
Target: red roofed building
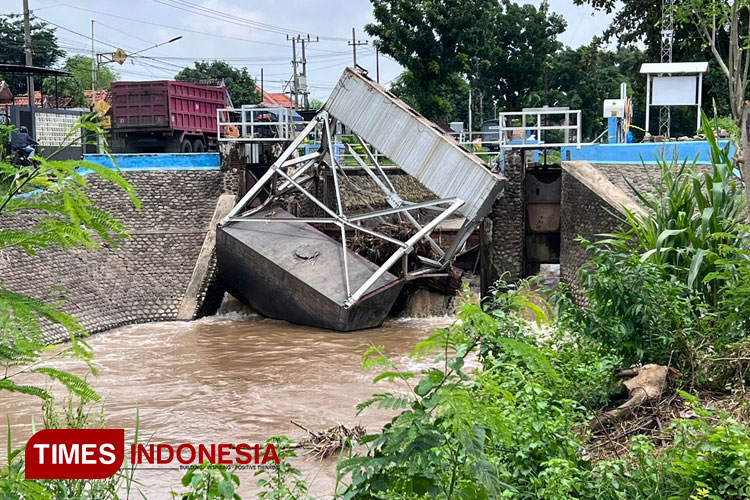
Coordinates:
[23,99]
[277,99]
[99,95]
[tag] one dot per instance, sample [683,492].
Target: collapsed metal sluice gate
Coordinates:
[287,268]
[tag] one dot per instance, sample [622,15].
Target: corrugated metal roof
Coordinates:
[418,146]
[674,68]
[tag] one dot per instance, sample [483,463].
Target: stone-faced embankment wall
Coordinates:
[145,277]
[590,205]
[504,227]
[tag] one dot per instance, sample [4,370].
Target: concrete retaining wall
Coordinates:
[146,277]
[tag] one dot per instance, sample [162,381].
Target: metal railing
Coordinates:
[535,123]
[256,124]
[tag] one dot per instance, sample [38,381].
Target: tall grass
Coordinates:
[688,218]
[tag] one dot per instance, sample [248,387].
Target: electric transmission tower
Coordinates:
[667,37]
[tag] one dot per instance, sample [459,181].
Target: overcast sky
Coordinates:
[249,33]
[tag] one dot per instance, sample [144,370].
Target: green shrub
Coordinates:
[210,482]
[283,482]
[635,308]
[5,131]
[515,427]
[709,458]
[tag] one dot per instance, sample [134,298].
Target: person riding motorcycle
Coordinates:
[22,141]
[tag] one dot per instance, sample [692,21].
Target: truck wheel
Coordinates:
[198,146]
[186,147]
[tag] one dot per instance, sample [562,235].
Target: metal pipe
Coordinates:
[253,192]
[394,200]
[300,159]
[403,208]
[375,162]
[333,165]
[346,261]
[648,101]
[341,219]
[354,298]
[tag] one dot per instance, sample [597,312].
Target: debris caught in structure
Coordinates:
[331,441]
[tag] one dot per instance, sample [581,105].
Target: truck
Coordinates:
[164,117]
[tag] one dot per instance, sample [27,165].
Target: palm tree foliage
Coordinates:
[45,204]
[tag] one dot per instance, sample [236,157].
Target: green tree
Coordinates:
[638,22]
[723,28]
[452,97]
[522,39]
[496,47]
[45,50]
[316,104]
[583,78]
[80,67]
[240,84]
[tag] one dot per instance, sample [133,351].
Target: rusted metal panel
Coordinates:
[543,186]
[543,217]
[417,145]
[542,191]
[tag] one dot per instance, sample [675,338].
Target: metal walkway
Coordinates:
[286,269]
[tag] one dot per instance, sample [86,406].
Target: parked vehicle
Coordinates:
[164,117]
[490,134]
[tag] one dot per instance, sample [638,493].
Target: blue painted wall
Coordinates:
[645,152]
[159,161]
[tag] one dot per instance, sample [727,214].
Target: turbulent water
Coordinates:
[230,379]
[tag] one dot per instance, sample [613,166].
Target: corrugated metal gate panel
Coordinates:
[414,143]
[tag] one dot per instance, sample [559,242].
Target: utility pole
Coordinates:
[29,62]
[262,92]
[377,61]
[305,89]
[471,125]
[354,44]
[295,78]
[93,65]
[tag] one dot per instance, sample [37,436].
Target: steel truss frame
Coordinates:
[288,173]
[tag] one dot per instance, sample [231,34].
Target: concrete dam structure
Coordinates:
[164,271]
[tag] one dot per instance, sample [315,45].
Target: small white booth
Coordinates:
[674,84]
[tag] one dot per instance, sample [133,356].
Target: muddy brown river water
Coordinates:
[230,379]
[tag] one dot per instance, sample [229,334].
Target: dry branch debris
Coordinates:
[329,442]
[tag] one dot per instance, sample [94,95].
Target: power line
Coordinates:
[125,33]
[77,33]
[185,30]
[184,4]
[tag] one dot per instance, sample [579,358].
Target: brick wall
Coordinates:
[145,277]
